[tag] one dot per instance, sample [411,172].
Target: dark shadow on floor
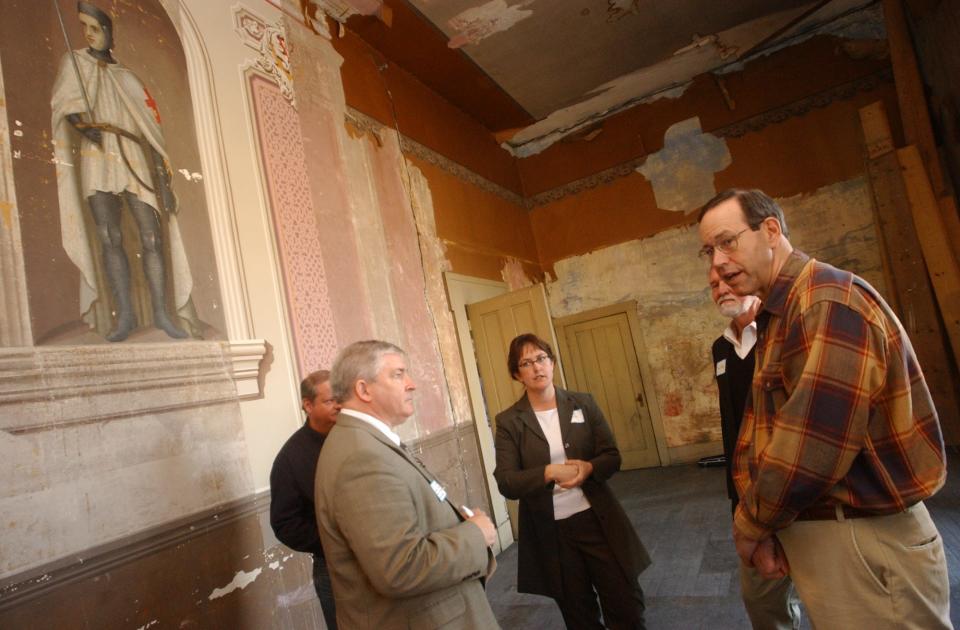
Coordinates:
[683,517]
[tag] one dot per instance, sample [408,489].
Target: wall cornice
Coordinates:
[49,387]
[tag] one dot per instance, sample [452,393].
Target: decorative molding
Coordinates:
[410,146]
[271,42]
[606,176]
[53,387]
[804,105]
[735,130]
[15,329]
[223,225]
[22,588]
[245,361]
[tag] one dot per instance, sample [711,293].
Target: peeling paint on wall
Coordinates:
[866,24]
[478,23]
[241,580]
[682,172]
[456,471]
[514,275]
[569,120]
[679,322]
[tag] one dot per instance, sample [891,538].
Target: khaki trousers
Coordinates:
[770,604]
[873,573]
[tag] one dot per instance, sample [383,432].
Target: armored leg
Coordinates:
[106,214]
[151,242]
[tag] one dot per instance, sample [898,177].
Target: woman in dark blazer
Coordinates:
[555,452]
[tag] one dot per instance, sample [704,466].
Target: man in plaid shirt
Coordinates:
[840,443]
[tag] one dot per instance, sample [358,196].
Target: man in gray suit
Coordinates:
[400,554]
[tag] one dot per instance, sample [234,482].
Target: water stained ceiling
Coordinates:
[532,71]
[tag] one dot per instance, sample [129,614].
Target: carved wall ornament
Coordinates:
[270,40]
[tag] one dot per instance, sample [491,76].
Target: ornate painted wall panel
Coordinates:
[115,234]
[295,226]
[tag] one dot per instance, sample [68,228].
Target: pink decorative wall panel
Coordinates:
[295,226]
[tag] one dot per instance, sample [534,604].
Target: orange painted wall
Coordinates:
[479,228]
[797,155]
[767,83]
[395,97]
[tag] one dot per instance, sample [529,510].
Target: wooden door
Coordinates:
[493,325]
[600,349]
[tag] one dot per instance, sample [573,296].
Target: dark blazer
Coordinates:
[522,455]
[734,388]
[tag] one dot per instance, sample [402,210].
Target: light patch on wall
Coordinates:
[190,177]
[241,580]
[478,23]
[514,275]
[6,210]
[682,172]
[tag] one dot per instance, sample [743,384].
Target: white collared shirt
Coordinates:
[378,424]
[748,337]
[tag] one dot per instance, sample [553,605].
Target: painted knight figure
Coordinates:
[110,154]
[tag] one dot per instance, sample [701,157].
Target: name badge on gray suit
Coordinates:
[438,490]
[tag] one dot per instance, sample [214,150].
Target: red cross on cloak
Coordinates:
[152,104]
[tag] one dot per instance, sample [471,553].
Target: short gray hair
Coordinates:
[360,360]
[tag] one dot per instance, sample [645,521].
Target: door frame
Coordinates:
[639,347]
[459,289]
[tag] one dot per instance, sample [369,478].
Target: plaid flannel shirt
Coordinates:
[840,412]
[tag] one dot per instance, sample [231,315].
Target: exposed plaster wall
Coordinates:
[682,172]
[80,469]
[663,274]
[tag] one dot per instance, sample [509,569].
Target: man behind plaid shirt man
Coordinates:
[840,443]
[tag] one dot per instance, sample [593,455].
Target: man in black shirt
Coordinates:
[770,604]
[292,513]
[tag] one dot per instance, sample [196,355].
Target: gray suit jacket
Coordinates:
[398,556]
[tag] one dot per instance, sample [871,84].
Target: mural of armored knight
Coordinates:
[121,161]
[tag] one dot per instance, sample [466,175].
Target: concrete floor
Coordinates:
[683,517]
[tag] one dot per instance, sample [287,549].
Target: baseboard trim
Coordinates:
[692,452]
[23,587]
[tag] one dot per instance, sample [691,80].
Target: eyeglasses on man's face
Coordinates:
[725,243]
[540,359]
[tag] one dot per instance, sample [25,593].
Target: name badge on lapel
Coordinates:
[438,490]
[721,367]
[577,417]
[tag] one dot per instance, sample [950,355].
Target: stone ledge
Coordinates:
[43,388]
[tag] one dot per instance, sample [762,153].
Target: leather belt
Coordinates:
[829,512]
